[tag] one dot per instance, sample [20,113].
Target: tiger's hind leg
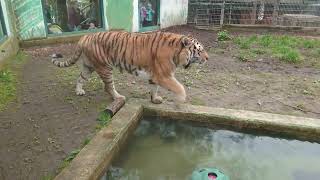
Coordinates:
[86,71]
[105,74]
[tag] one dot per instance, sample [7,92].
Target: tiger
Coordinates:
[153,56]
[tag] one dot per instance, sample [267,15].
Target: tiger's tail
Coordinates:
[71,61]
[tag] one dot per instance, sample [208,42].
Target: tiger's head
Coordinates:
[192,52]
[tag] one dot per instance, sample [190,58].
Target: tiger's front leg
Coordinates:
[106,76]
[155,98]
[173,85]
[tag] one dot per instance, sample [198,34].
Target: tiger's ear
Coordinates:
[186,42]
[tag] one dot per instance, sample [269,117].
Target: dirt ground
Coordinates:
[48,121]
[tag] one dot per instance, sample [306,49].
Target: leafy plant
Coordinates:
[224,36]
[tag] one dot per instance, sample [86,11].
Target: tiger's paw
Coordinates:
[156,100]
[80,92]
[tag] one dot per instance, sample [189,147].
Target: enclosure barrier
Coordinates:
[215,13]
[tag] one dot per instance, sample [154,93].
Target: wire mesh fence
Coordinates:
[214,13]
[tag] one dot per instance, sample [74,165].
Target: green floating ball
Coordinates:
[208,174]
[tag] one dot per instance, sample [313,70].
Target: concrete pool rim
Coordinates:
[96,157]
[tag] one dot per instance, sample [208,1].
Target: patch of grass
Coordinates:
[315,53]
[246,55]
[243,57]
[243,42]
[265,40]
[224,36]
[285,48]
[8,79]
[8,82]
[72,155]
[286,41]
[309,44]
[287,54]
[253,38]
[85,142]
[103,120]
[258,51]
[69,158]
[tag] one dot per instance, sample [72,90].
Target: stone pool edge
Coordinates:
[297,127]
[94,158]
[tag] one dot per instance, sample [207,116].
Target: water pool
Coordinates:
[159,150]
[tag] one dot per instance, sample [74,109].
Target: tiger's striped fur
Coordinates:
[155,55]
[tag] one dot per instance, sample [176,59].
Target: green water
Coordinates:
[150,156]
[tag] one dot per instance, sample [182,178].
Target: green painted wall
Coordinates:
[29,19]
[119,14]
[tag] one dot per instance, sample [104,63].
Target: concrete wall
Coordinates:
[125,14]
[173,12]
[118,14]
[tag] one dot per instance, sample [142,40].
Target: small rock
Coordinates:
[259,103]
[36,126]
[27,160]
[51,141]
[26,102]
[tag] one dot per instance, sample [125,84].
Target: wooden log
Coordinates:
[114,107]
